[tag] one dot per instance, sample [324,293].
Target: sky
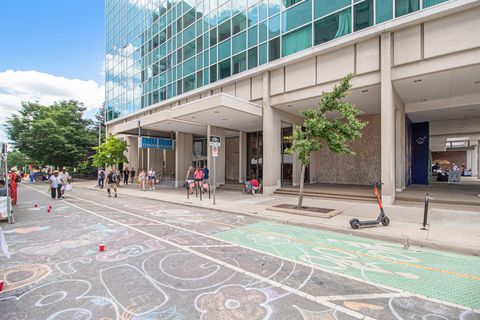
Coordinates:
[51,50]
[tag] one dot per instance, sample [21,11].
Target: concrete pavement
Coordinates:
[171,261]
[450,229]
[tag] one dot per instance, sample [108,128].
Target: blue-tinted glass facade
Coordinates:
[158,49]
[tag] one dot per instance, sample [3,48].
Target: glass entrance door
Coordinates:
[287,159]
[255,155]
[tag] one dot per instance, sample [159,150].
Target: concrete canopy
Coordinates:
[219,110]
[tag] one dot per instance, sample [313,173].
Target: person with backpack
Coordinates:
[112,182]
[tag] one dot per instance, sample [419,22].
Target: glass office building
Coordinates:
[156,50]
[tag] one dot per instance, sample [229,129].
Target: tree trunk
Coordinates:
[300,194]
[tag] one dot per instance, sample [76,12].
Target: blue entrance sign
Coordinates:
[156,143]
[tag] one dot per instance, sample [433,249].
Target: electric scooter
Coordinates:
[382,217]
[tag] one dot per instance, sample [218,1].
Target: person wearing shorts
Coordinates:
[152,178]
[198,177]
[112,182]
[190,178]
[141,179]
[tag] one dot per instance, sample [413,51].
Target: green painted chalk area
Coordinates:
[435,274]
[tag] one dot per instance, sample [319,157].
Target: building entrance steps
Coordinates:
[465,195]
[334,191]
[450,229]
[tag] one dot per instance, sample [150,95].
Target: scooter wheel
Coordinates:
[385,221]
[354,223]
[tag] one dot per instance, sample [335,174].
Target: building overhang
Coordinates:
[219,110]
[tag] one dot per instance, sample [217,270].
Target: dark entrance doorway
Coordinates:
[255,155]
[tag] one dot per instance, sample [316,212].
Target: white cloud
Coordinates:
[17,86]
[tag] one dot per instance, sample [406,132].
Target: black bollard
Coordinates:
[425,213]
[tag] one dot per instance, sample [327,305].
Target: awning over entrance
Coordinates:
[220,110]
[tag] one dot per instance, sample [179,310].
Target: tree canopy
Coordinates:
[332,124]
[56,135]
[17,159]
[110,153]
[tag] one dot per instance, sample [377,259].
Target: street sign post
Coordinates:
[215,141]
[214,178]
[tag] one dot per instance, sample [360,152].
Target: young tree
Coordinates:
[333,124]
[110,152]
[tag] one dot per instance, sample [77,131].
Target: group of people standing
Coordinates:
[59,182]
[118,176]
[196,177]
[146,179]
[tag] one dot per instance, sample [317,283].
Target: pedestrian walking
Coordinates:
[112,182]
[65,180]
[54,190]
[126,174]
[101,178]
[12,184]
[59,183]
[132,174]
[118,175]
[141,179]
[151,179]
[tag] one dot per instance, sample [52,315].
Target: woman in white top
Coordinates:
[151,179]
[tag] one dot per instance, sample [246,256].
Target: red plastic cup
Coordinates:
[50,207]
[102,247]
[1,285]
[49,210]
[36,205]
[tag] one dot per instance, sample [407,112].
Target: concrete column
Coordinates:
[132,151]
[220,161]
[155,160]
[388,122]
[148,159]
[242,156]
[169,163]
[183,156]
[478,159]
[159,162]
[399,144]
[144,157]
[271,141]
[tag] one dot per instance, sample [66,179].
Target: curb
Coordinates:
[407,242]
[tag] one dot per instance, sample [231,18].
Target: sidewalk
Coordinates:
[450,229]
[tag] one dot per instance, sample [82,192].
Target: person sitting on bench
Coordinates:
[254,185]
